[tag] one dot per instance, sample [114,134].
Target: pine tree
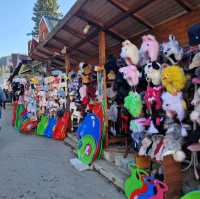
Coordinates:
[44,8]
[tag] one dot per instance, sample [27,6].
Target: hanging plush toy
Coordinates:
[153,72]
[130,53]
[195,114]
[131,74]
[133,104]
[153,96]
[173,79]
[174,103]
[150,48]
[172,50]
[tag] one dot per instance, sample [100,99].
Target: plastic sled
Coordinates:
[90,126]
[161,188]
[20,109]
[134,181]
[192,195]
[149,181]
[86,149]
[42,125]
[28,126]
[49,130]
[62,126]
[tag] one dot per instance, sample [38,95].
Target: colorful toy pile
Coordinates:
[141,185]
[39,105]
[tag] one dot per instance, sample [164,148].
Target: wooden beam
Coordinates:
[88,38]
[77,34]
[102,61]
[132,12]
[184,4]
[65,43]
[94,22]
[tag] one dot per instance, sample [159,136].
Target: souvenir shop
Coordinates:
[143,95]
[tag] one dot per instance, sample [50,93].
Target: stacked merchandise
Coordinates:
[40,104]
[86,112]
[152,98]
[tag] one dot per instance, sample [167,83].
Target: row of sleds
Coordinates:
[52,127]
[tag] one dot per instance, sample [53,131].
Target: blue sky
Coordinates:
[15,23]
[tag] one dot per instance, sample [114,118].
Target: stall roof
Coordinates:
[118,18]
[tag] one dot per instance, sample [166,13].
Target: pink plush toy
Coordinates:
[150,46]
[131,74]
[153,94]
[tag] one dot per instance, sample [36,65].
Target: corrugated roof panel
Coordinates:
[161,11]
[129,27]
[101,9]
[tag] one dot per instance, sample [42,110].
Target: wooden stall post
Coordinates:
[67,69]
[102,61]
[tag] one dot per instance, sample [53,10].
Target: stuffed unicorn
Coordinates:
[150,48]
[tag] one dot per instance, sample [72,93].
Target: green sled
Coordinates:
[83,143]
[20,109]
[42,125]
[192,195]
[134,181]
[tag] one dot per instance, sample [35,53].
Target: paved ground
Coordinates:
[38,168]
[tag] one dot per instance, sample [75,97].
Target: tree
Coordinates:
[44,8]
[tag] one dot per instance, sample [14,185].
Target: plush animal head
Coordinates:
[131,74]
[173,79]
[150,47]
[153,72]
[172,50]
[130,53]
[174,103]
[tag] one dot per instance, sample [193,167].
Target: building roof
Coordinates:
[119,19]
[50,21]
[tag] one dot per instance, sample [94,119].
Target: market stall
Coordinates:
[142,93]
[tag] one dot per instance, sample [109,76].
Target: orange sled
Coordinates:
[28,126]
[62,127]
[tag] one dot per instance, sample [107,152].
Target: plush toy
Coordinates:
[146,146]
[130,53]
[173,79]
[153,96]
[121,87]
[111,64]
[193,34]
[172,50]
[195,114]
[173,147]
[150,47]
[174,103]
[133,104]
[195,61]
[153,72]
[131,74]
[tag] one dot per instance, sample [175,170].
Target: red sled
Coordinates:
[62,127]
[29,126]
[14,112]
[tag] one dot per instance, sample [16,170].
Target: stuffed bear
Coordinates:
[130,53]
[172,50]
[174,103]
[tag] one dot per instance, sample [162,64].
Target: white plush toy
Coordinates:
[172,50]
[130,53]
[174,103]
[195,114]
